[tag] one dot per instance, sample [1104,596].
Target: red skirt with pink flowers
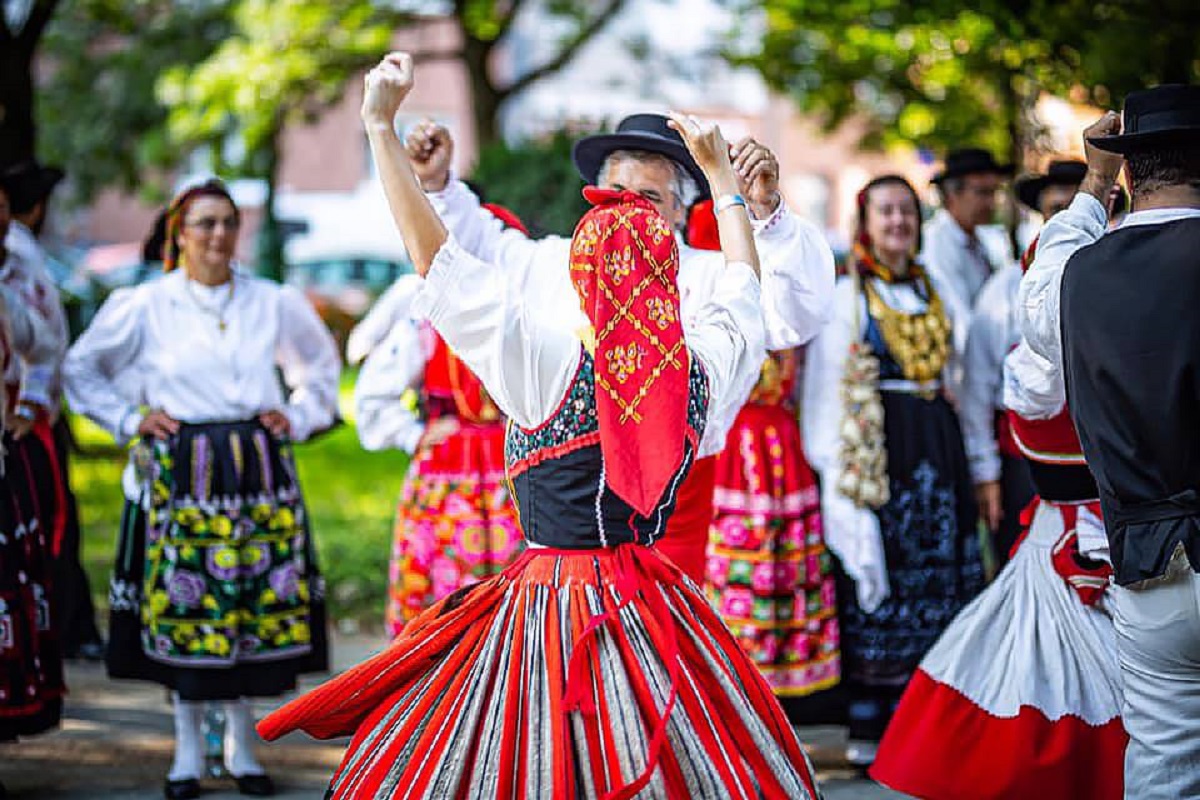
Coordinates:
[455,523]
[769,574]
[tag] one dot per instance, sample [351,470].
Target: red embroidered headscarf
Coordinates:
[624,264]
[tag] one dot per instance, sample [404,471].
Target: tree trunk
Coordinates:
[270,237]
[18,131]
[486,98]
[1016,123]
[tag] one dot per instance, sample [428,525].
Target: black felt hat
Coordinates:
[1157,118]
[646,132]
[29,183]
[971,161]
[1060,173]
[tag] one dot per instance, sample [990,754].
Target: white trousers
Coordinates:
[1158,640]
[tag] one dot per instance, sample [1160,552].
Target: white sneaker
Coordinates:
[861,753]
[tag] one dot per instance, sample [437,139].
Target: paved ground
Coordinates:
[115,744]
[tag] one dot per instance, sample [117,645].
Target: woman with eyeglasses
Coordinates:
[215,593]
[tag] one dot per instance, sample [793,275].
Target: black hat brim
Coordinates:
[27,190]
[1126,143]
[1029,190]
[589,154]
[1003,170]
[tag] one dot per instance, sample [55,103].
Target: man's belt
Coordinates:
[1177,506]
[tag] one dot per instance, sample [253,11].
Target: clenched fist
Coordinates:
[387,84]
[431,150]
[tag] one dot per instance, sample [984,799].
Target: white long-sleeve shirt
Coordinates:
[527,363]
[991,335]
[796,265]
[1080,224]
[167,332]
[24,273]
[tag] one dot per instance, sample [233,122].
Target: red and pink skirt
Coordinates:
[769,574]
[455,522]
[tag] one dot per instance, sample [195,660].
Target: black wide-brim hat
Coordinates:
[29,183]
[971,161]
[1157,118]
[646,132]
[1060,173]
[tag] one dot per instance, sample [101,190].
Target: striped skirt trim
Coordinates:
[551,681]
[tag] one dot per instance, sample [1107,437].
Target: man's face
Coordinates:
[975,203]
[1054,199]
[652,180]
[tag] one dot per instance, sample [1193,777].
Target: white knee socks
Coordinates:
[189,744]
[240,737]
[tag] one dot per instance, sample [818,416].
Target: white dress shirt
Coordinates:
[1080,224]
[167,332]
[990,336]
[797,281]
[528,363]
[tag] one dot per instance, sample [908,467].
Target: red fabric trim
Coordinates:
[551,453]
[45,435]
[686,539]
[1053,438]
[941,746]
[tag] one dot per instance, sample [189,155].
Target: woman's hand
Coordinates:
[438,431]
[276,422]
[159,425]
[387,84]
[706,144]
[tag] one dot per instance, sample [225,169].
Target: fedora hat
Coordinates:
[1060,173]
[971,161]
[1155,118]
[29,183]
[646,132]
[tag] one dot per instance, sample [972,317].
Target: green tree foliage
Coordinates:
[940,74]
[284,61]
[536,180]
[97,105]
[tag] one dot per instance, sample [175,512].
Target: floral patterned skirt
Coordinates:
[31,674]
[769,574]
[216,592]
[455,523]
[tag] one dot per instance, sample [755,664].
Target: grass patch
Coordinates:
[351,496]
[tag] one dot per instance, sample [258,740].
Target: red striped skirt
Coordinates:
[590,673]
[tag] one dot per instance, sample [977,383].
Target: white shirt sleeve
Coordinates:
[308,358]
[982,367]
[525,365]
[111,343]
[797,278]
[1033,385]
[41,372]
[1078,225]
[727,334]
[393,369]
[391,308]
[851,532]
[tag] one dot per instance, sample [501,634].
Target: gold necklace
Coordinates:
[218,313]
[918,342]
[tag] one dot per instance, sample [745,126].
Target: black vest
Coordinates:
[1130,318]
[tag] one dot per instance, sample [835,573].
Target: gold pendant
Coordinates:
[221,326]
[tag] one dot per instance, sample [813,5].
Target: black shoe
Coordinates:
[255,785]
[186,789]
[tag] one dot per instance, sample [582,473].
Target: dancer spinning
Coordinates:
[592,667]
[1021,697]
[215,592]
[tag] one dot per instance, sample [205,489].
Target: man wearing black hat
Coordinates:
[1002,484]
[646,156]
[1118,309]
[958,252]
[31,185]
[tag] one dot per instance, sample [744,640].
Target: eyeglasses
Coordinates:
[209,224]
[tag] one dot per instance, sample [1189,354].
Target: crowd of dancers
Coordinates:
[678,485]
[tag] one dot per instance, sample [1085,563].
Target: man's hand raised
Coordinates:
[1103,166]
[431,150]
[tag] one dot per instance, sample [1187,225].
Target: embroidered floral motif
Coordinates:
[625,361]
[660,312]
[619,264]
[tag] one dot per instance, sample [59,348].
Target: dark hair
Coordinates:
[951,186]
[864,194]
[213,187]
[1153,170]
[156,240]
